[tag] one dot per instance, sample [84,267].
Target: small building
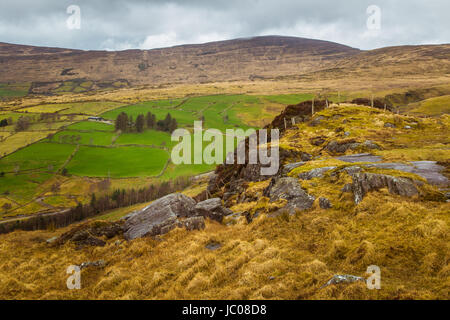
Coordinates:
[96,119]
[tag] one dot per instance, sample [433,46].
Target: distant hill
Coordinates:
[267,57]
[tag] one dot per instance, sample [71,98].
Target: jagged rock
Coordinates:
[212,208]
[360,157]
[342,146]
[289,189]
[352,170]
[159,217]
[306,156]
[429,170]
[213,246]
[194,223]
[368,144]
[51,240]
[87,234]
[366,182]
[407,127]
[291,166]
[344,278]
[315,173]
[347,188]
[389,125]
[99,264]
[324,203]
[316,121]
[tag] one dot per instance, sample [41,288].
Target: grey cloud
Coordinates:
[118,24]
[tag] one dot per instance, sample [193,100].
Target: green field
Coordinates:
[103,152]
[118,162]
[91,126]
[148,137]
[37,155]
[14,90]
[95,138]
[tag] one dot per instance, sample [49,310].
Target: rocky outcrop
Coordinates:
[89,234]
[337,147]
[161,216]
[315,173]
[291,166]
[300,112]
[324,203]
[366,182]
[97,264]
[343,278]
[212,208]
[341,146]
[171,211]
[289,189]
[360,157]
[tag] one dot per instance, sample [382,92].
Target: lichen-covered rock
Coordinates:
[343,278]
[98,264]
[88,234]
[159,217]
[368,144]
[360,157]
[212,208]
[342,146]
[291,166]
[324,203]
[289,189]
[315,173]
[366,182]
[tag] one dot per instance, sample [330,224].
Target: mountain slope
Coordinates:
[239,59]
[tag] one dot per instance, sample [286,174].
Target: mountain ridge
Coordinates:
[255,58]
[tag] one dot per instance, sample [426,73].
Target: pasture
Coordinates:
[37,156]
[118,162]
[94,138]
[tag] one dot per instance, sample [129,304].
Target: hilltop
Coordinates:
[257,58]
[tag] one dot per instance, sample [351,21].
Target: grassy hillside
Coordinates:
[276,256]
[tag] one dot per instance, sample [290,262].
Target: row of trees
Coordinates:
[125,123]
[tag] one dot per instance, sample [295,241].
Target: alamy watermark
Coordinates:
[373,22]
[74,20]
[258,151]
[374,280]
[74,280]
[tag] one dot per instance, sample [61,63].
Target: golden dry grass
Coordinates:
[407,239]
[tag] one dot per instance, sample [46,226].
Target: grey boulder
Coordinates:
[212,208]
[160,216]
[343,278]
[289,189]
[366,182]
[315,173]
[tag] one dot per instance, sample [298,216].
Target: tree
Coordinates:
[167,122]
[140,123]
[150,120]
[173,125]
[3,122]
[122,122]
[22,123]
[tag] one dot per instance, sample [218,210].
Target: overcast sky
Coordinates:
[120,24]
